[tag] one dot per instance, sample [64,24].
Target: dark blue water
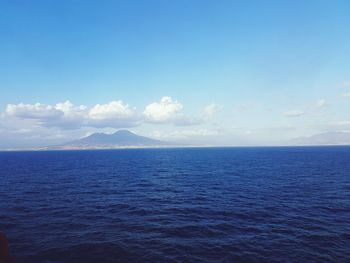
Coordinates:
[177,205]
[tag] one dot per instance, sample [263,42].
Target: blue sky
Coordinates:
[229,72]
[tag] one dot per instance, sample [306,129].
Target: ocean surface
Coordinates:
[177,205]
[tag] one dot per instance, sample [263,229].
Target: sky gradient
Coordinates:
[207,72]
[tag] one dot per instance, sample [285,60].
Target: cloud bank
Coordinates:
[115,114]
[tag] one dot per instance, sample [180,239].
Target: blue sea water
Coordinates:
[177,205]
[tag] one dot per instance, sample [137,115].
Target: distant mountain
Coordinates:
[121,138]
[329,138]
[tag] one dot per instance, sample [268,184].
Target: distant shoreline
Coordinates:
[44,149]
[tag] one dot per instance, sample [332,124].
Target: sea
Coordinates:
[253,204]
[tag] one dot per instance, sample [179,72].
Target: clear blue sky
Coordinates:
[261,65]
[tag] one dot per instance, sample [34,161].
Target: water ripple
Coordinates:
[177,205]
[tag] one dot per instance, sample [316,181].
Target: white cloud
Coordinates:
[170,111]
[346,95]
[212,109]
[67,116]
[321,103]
[294,113]
[164,111]
[32,111]
[114,114]
[73,117]
[112,110]
[70,110]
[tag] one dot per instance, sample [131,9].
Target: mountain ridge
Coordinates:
[118,139]
[326,138]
